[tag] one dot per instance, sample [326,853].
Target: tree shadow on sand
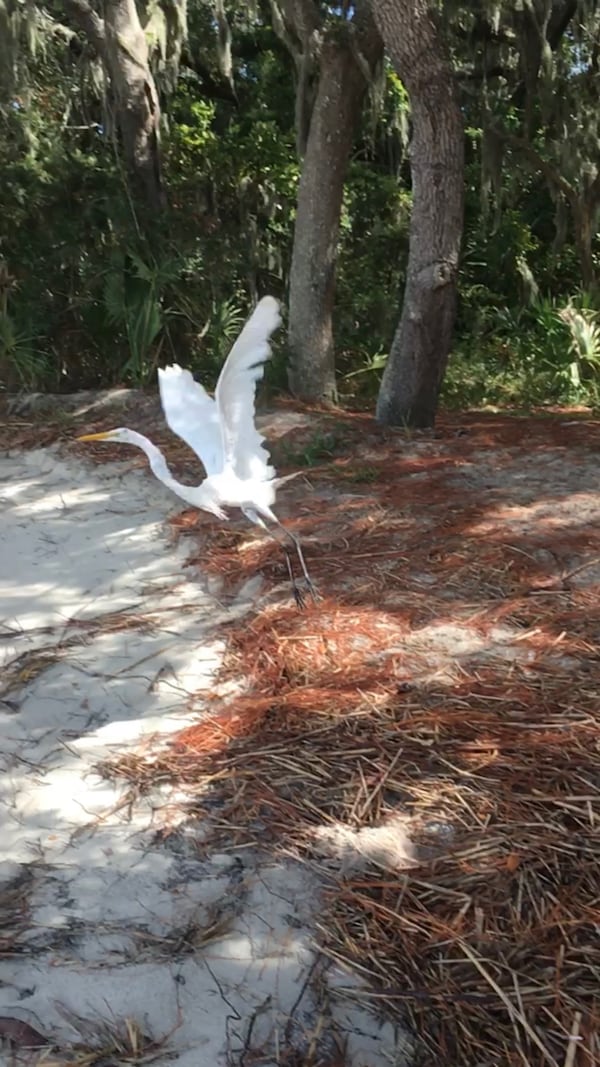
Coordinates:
[427,736]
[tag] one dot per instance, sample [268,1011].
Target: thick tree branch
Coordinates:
[299,26]
[483,31]
[560,17]
[224,41]
[303,15]
[340,62]
[87,20]
[593,193]
[284,34]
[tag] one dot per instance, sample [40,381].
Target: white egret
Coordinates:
[223,434]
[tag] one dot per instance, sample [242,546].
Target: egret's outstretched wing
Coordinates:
[193,415]
[242,444]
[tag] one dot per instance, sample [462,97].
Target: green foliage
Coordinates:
[226,322]
[536,355]
[318,450]
[584,329]
[106,292]
[132,298]
[364,381]
[375,221]
[100,292]
[20,363]
[18,353]
[527,356]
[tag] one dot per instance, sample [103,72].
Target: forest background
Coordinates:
[164,164]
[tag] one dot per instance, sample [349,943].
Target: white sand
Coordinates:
[108,907]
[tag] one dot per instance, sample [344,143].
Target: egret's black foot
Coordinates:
[314,592]
[298,597]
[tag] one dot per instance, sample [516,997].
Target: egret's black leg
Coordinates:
[298,594]
[295,541]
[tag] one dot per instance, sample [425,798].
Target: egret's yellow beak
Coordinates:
[94,436]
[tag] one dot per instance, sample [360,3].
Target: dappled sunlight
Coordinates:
[493,775]
[430,729]
[542,513]
[94,655]
[120,928]
[87,557]
[40,500]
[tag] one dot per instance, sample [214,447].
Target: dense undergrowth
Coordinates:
[94,292]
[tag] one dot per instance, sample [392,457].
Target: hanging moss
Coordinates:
[165,26]
[492,159]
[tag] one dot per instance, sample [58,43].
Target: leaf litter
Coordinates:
[444,698]
[437,717]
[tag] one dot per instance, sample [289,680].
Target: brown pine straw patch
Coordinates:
[449,684]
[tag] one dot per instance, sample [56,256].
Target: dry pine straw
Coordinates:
[491,945]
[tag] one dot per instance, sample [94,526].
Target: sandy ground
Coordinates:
[106,640]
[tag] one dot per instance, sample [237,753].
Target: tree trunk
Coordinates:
[320,192]
[136,96]
[419,354]
[584,237]
[342,85]
[584,210]
[120,42]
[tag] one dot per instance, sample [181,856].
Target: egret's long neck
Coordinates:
[160,469]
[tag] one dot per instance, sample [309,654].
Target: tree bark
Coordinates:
[346,57]
[320,192]
[121,44]
[584,229]
[89,22]
[137,98]
[418,358]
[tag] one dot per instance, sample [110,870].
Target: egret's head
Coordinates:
[120,434]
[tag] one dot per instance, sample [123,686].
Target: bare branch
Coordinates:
[303,15]
[282,32]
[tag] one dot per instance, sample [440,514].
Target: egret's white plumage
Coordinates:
[222,433]
[242,444]
[192,414]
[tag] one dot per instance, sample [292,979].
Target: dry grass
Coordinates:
[14,912]
[107,1043]
[103,1043]
[24,668]
[357,714]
